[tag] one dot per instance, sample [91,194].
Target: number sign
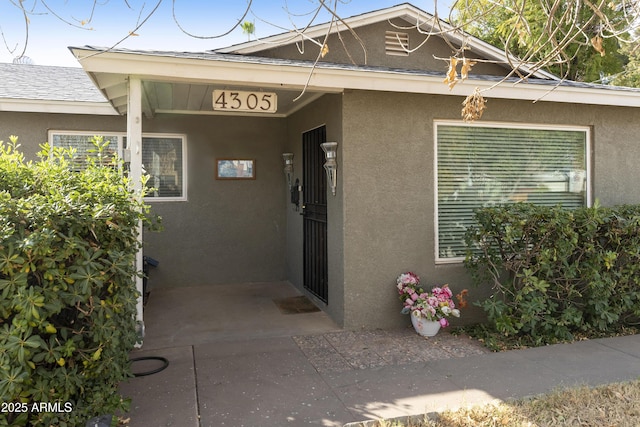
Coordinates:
[236,100]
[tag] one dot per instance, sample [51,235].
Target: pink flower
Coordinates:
[434,305]
[447,291]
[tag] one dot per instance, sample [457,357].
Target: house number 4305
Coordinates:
[236,100]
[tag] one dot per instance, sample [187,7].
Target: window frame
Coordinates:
[121,136]
[587,130]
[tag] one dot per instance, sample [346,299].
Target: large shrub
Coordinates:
[68,241]
[557,272]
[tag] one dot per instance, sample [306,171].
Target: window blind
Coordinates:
[480,166]
[84,148]
[163,158]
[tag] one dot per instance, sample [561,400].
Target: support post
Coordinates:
[134,149]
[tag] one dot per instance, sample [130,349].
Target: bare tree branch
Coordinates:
[79,25]
[140,24]
[342,21]
[216,36]
[535,35]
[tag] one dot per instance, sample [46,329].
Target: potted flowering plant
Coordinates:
[429,310]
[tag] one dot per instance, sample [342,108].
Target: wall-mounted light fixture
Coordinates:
[288,167]
[331,166]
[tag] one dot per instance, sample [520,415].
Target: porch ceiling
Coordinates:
[165,97]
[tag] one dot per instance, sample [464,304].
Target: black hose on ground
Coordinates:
[164,365]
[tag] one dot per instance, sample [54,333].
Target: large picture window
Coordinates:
[490,164]
[163,158]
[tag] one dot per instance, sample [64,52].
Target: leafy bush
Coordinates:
[68,241]
[557,272]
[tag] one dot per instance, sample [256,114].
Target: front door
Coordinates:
[315,213]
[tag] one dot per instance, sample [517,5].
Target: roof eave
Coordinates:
[523,90]
[60,107]
[335,78]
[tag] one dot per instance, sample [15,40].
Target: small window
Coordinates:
[397,43]
[489,164]
[84,147]
[163,158]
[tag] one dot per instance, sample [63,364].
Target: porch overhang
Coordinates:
[183,82]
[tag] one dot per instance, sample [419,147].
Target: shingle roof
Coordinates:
[47,83]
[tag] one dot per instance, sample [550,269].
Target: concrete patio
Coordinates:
[236,360]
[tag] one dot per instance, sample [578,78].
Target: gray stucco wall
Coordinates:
[227,231]
[326,111]
[32,128]
[381,221]
[387,167]
[372,51]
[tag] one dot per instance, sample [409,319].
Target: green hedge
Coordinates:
[557,272]
[68,241]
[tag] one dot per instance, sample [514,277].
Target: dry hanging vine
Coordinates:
[473,106]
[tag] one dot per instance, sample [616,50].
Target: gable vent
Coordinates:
[396,43]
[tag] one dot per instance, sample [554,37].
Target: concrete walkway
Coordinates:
[304,371]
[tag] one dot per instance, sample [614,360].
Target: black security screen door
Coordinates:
[315,214]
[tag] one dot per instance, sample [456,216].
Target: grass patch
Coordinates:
[610,405]
[497,342]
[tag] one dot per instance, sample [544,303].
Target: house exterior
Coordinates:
[211,129]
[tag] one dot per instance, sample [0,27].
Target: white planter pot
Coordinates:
[424,327]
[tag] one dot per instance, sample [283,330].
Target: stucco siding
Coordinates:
[369,49]
[327,111]
[32,128]
[388,178]
[228,231]
[381,221]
